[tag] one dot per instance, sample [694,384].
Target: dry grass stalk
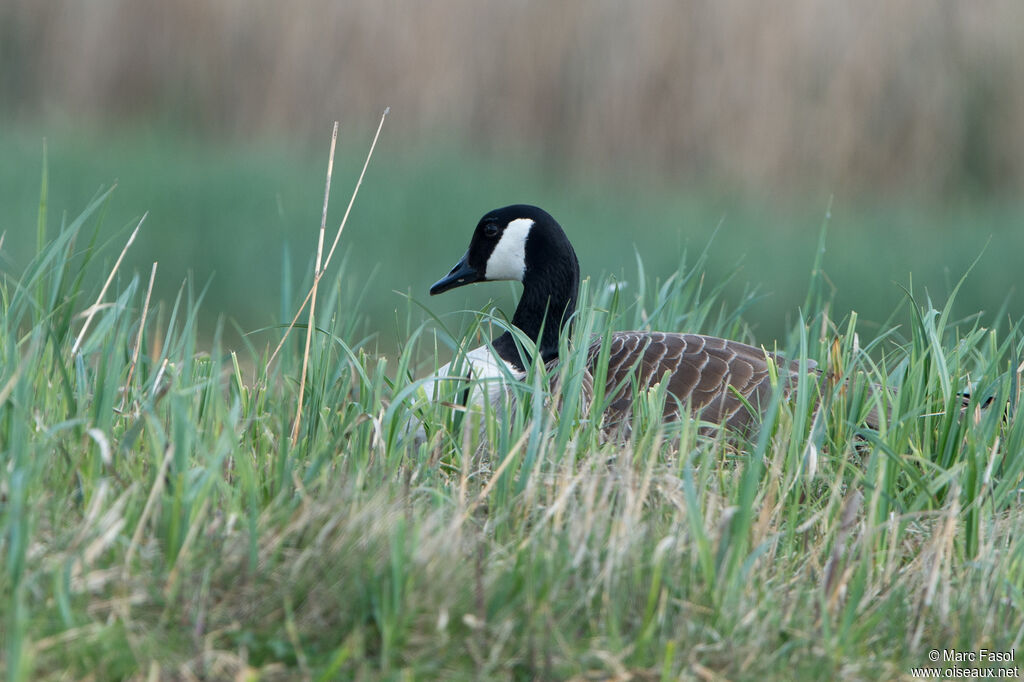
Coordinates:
[159,377]
[154,494]
[138,337]
[359,182]
[330,253]
[316,280]
[96,307]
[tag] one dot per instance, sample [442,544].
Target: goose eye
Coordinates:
[491,230]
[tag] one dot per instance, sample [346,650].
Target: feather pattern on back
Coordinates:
[716,378]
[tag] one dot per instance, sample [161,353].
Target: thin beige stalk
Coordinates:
[95,307]
[138,337]
[154,494]
[316,280]
[327,261]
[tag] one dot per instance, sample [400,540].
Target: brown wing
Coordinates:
[716,377]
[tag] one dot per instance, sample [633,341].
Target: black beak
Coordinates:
[463,273]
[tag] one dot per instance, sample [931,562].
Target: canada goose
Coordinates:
[723,382]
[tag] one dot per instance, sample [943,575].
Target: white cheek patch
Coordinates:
[508,260]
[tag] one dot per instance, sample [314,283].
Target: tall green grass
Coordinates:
[167,526]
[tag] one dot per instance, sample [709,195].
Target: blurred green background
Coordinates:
[642,127]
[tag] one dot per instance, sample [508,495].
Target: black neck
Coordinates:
[545,309]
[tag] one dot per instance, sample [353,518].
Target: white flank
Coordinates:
[487,376]
[508,260]
[488,372]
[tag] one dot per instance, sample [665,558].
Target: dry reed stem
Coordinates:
[91,311]
[316,280]
[159,377]
[327,261]
[138,337]
[359,182]
[154,493]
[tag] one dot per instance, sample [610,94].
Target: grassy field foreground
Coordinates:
[157,521]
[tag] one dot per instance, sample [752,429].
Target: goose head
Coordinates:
[525,244]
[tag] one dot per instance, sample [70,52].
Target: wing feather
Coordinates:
[721,381]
